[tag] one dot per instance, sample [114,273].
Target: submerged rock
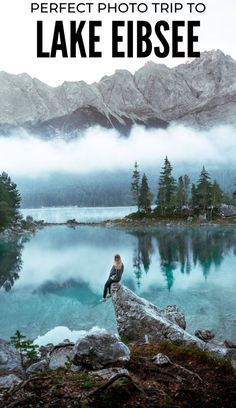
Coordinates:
[138,319]
[9,358]
[97,348]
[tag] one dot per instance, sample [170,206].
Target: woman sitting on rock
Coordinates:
[115,276]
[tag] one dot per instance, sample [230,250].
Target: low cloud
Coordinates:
[104,150]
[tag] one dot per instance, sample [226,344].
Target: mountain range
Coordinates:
[200,93]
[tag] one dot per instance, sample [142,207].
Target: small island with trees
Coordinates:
[180,199]
[177,201]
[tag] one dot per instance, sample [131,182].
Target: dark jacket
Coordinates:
[115,274]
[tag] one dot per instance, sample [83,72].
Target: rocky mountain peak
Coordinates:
[199,93]
[215,55]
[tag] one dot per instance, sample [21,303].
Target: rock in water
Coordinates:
[230,344]
[137,318]
[174,314]
[97,348]
[205,335]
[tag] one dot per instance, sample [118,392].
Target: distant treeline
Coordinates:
[111,188]
[170,195]
[84,190]
[179,197]
[10,201]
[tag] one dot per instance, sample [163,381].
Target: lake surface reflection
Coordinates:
[56,278]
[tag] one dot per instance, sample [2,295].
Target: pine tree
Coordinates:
[135,184]
[27,349]
[166,197]
[9,201]
[203,191]
[217,197]
[194,198]
[182,196]
[186,189]
[145,196]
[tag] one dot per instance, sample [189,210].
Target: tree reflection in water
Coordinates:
[10,263]
[142,255]
[182,249]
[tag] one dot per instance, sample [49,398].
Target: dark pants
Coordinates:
[108,286]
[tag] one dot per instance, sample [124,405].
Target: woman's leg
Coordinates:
[107,286]
[111,282]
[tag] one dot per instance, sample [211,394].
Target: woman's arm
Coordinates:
[119,273]
[112,271]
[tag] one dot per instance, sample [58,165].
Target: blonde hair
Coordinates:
[117,262]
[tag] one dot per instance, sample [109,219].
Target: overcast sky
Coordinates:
[18,40]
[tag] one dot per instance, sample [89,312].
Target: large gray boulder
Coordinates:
[9,358]
[97,349]
[8,381]
[174,314]
[60,355]
[139,320]
[37,367]
[228,210]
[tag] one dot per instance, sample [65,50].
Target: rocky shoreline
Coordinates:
[25,229]
[154,359]
[133,222]
[20,230]
[145,223]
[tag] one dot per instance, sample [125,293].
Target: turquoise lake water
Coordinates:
[56,277]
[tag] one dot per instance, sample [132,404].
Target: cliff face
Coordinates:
[201,93]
